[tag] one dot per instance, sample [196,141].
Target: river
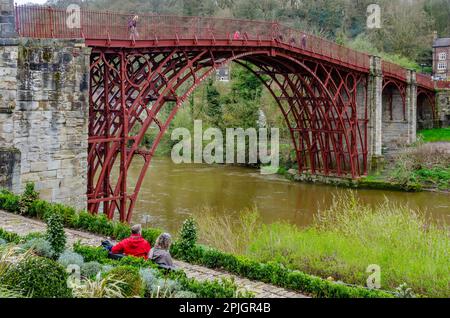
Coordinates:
[170,193]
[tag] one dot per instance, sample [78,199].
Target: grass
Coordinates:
[343,242]
[435,135]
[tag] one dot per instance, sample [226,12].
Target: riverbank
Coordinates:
[342,243]
[424,166]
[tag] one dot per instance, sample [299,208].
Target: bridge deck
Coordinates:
[111,29]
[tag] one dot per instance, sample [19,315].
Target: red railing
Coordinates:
[443,84]
[48,22]
[425,81]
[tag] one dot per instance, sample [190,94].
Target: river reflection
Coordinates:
[170,193]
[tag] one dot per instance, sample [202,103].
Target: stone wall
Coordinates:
[443,107]
[7,24]
[47,122]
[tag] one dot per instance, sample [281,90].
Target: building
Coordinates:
[441,58]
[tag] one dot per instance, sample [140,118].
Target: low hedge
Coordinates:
[203,289]
[9,237]
[273,273]
[98,224]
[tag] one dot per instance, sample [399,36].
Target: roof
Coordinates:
[441,42]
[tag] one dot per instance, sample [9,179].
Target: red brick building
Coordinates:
[441,58]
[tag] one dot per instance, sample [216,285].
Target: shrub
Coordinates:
[38,277]
[149,278]
[40,247]
[33,235]
[9,237]
[39,209]
[106,268]
[9,201]
[3,242]
[131,283]
[70,258]
[184,294]
[188,234]
[55,233]
[90,254]
[27,198]
[165,287]
[151,235]
[91,269]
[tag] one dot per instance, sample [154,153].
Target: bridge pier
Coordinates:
[44,103]
[375,106]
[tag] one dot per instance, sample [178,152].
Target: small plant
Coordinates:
[403,291]
[188,234]
[165,287]
[70,258]
[55,233]
[27,198]
[184,294]
[40,247]
[98,288]
[106,269]
[90,269]
[149,278]
[131,283]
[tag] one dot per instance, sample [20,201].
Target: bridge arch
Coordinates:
[426,109]
[130,87]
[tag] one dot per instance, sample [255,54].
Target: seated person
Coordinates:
[135,245]
[160,252]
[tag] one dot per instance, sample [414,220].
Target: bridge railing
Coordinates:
[425,80]
[48,22]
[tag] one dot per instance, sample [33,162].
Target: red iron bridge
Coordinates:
[325,91]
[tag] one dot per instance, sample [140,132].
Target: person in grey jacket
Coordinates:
[160,252]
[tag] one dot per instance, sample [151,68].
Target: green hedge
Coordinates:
[98,224]
[204,289]
[273,273]
[9,237]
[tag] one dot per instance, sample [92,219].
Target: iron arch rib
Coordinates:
[130,88]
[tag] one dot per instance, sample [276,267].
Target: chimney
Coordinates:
[435,35]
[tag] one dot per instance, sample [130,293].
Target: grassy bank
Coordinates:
[426,164]
[435,135]
[343,242]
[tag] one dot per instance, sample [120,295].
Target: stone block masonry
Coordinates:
[443,107]
[44,116]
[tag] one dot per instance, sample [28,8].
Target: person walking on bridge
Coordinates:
[132,26]
[304,41]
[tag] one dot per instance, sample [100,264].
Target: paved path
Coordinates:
[23,226]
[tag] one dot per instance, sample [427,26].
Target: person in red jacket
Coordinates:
[135,245]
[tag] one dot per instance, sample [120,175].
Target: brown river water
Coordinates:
[170,193]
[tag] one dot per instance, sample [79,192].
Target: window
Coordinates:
[442,56]
[442,66]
